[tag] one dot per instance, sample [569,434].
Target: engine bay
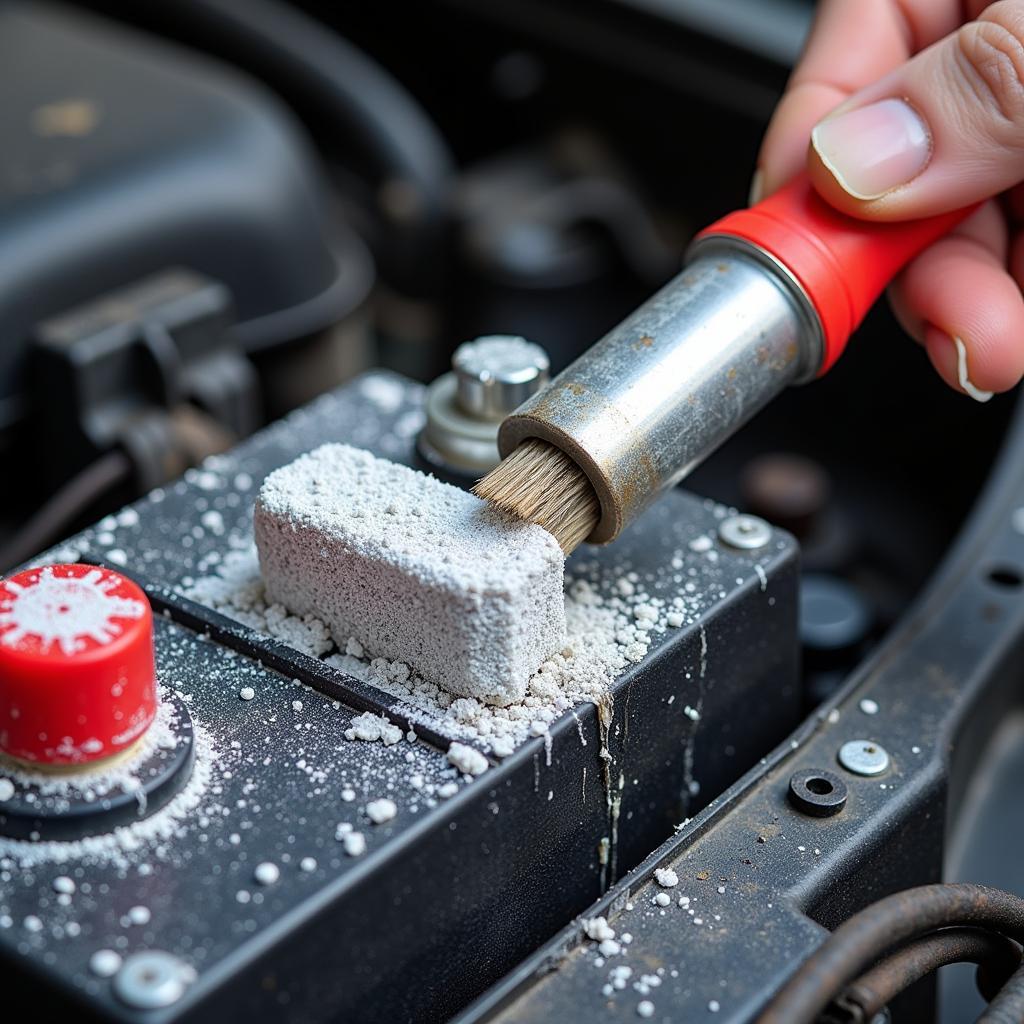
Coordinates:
[237,232]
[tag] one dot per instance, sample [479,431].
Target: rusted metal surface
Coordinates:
[1008,1006]
[866,997]
[905,915]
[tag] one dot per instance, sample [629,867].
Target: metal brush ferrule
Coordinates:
[654,397]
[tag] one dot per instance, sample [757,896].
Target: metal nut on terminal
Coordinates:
[490,378]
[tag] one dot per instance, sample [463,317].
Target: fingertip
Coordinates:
[963,362]
[952,361]
[993,359]
[914,297]
[958,289]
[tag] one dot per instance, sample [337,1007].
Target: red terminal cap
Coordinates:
[842,263]
[77,675]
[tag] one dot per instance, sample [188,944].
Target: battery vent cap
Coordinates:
[77,671]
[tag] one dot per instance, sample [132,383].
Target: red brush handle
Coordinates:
[843,264]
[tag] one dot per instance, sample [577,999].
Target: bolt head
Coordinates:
[744,532]
[863,757]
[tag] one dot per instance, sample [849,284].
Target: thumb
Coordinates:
[942,131]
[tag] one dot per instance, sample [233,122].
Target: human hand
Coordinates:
[911,111]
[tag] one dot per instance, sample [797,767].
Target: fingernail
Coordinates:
[756,188]
[874,149]
[961,373]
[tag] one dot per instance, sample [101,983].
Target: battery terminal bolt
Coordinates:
[490,378]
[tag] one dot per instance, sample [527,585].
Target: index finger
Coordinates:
[852,43]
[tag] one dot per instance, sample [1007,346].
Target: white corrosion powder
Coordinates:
[619,975]
[354,843]
[137,915]
[604,637]
[118,847]
[467,759]
[371,727]
[379,811]
[92,783]
[414,569]
[267,873]
[666,878]
[105,963]
[598,929]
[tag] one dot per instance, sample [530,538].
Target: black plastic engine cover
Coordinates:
[124,156]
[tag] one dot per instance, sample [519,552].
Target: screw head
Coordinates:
[863,757]
[745,532]
[151,980]
[817,792]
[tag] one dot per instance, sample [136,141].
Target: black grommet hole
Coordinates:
[817,792]
[1005,576]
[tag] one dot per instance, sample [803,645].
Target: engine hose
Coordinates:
[860,941]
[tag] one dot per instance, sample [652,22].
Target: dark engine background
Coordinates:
[213,211]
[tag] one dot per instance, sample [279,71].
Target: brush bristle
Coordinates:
[540,484]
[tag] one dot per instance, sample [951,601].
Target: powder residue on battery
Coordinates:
[119,776]
[613,615]
[370,727]
[247,712]
[121,845]
[604,637]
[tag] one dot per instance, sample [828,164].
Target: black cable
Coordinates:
[1008,1005]
[861,940]
[365,102]
[998,956]
[64,507]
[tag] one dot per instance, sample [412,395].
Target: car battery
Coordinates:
[310,837]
